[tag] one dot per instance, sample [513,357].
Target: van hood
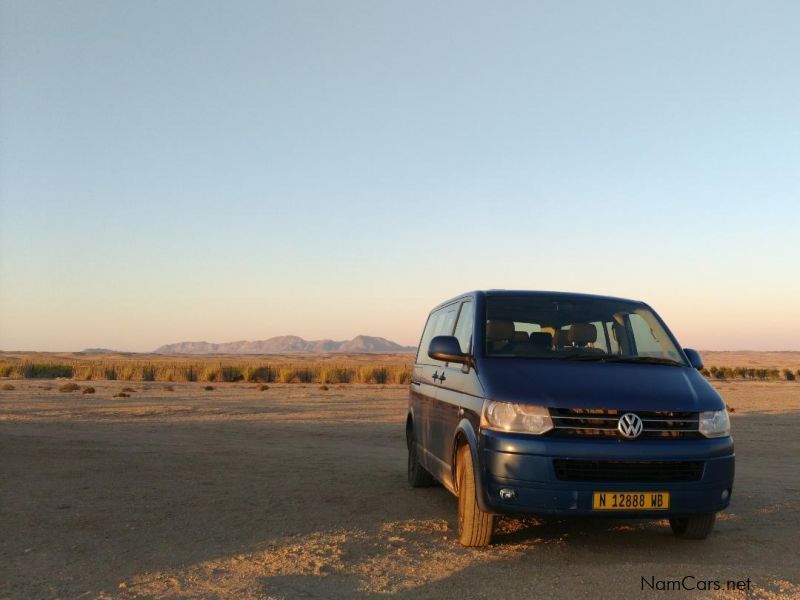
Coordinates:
[622,386]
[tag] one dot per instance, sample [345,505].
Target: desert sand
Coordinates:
[300,492]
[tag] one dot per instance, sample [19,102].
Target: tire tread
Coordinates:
[696,527]
[477,526]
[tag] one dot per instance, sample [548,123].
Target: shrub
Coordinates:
[324,387]
[87,390]
[402,376]
[263,387]
[8,387]
[372,375]
[208,388]
[122,395]
[170,388]
[211,374]
[45,370]
[232,374]
[339,375]
[263,374]
[788,375]
[85,373]
[69,387]
[287,375]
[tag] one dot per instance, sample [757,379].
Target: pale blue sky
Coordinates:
[235,170]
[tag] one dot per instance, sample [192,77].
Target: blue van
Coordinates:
[547,403]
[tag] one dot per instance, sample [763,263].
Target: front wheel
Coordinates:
[475,527]
[696,527]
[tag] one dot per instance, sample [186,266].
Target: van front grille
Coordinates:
[618,470]
[600,422]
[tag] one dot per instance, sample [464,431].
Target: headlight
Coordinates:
[715,423]
[517,418]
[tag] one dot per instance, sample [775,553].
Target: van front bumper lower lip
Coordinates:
[525,465]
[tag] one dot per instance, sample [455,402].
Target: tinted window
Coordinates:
[440,322]
[464,327]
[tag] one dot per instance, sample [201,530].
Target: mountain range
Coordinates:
[285,344]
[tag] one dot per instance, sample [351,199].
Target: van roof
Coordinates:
[501,292]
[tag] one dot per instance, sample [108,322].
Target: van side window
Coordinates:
[466,319]
[440,322]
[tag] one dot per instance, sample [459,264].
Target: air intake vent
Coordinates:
[616,470]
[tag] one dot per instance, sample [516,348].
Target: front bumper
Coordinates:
[525,464]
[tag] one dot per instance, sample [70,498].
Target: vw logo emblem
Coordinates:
[630,426]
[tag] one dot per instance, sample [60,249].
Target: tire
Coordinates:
[475,527]
[418,476]
[696,527]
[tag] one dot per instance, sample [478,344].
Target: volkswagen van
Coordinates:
[546,403]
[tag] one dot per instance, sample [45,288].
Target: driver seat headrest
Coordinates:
[497,330]
[581,334]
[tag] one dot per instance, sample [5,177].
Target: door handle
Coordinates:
[435,375]
[442,377]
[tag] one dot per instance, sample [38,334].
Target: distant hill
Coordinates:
[97,351]
[286,344]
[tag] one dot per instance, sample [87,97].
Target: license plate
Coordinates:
[630,501]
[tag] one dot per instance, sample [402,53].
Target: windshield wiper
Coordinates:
[648,360]
[596,357]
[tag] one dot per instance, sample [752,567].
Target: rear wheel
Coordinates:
[418,476]
[475,527]
[696,527]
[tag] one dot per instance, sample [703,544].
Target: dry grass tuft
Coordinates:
[87,390]
[128,389]
[8,387]
[324,388]
[170,388]
[121,395]
[208,388]
[263,387]
[69,387]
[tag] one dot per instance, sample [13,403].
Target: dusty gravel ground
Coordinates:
[297,492]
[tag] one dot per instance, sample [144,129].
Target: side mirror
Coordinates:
[694,358]
[446,348]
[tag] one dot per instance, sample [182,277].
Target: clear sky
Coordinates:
[217,171]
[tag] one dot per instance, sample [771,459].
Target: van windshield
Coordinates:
[576,328]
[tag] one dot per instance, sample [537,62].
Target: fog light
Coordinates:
[725,494]
[508,494]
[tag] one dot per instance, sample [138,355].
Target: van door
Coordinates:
[424,387]
[459,395]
